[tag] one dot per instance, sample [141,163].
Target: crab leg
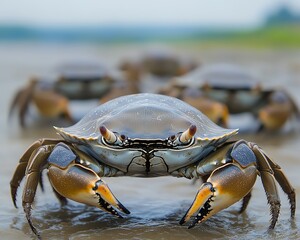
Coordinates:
[23,163]
[268,181]
[282,180]
[22,99]
[285,185]
[35,166]
[245,202]
[269,170]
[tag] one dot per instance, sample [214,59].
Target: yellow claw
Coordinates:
[274,116]
[103,190]
[226,186]
[83,185]
[52,104]
[216,111]
[203,195]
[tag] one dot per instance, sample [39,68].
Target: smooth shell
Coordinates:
[219,75]
[82,71]
[144,116]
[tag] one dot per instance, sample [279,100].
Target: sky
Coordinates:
[138,12]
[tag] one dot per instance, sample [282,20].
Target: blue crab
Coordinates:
[150,135]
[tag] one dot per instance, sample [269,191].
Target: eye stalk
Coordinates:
[184,137]
[188,134]
[112,137]
[108,135]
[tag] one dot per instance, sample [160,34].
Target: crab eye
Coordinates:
[184,137]
[123,137]
[172,138]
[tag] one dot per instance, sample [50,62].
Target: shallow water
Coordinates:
[156,204]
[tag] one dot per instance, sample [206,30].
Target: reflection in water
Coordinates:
[79,222]
[153,216]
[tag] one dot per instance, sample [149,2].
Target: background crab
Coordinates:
[151,72]
[73,81]
[222,89]
[149,135]
[155,68]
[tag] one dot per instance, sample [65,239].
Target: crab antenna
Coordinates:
[188,134]
[108,135]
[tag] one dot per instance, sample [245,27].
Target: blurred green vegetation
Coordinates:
[284,35]
[276,36]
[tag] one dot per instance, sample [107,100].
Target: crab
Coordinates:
[222,89]
[149,74]
[155,68]
[75,81]
[149,135]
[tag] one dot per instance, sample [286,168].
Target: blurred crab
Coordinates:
[149,135]
[222,89]
[75,81]
[154,70]
[149,74]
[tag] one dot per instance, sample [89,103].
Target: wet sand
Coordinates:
[156,204]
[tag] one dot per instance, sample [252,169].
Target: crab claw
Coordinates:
[226,185]
[107,199]
[83,185]
[215,111]
[273,117]
[205,193]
